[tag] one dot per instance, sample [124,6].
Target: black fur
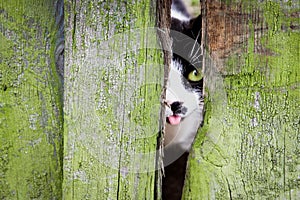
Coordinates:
[179,5]
[186,36]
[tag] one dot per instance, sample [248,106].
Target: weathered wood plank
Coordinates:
[113,81]
[30,102]
[249,145]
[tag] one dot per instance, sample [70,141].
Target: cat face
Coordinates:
[184,90]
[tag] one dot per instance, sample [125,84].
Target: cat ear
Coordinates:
[195,27]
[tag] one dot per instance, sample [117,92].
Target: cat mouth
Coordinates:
[174,119]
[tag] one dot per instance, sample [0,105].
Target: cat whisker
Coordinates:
[194,59]
[195,43]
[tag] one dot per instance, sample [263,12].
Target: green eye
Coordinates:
[195,75]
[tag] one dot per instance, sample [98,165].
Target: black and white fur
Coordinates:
[184,99]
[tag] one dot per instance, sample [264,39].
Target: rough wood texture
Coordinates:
[30,102]
[249,145]
[163,22]
[113,81]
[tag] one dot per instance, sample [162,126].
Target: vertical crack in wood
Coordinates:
[229,189]
[203,40]
[59,64]
[163,22]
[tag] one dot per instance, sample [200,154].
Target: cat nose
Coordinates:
[176,105]
[177,108]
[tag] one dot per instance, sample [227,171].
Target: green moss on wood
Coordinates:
[253,152]
[30,115]
[112,106]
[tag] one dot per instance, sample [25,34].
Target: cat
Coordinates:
[184,99]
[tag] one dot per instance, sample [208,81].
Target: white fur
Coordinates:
[178,15]
[184,133]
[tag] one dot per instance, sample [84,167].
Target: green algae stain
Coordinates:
[145,111]
[260,123]
[30,124]
[273,16]
[258,102]
[121,90]
[284,64]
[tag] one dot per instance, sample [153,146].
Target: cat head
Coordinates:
[184,89]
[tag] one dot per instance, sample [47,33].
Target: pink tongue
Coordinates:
[174,119]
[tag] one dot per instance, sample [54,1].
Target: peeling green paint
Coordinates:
[250,150]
